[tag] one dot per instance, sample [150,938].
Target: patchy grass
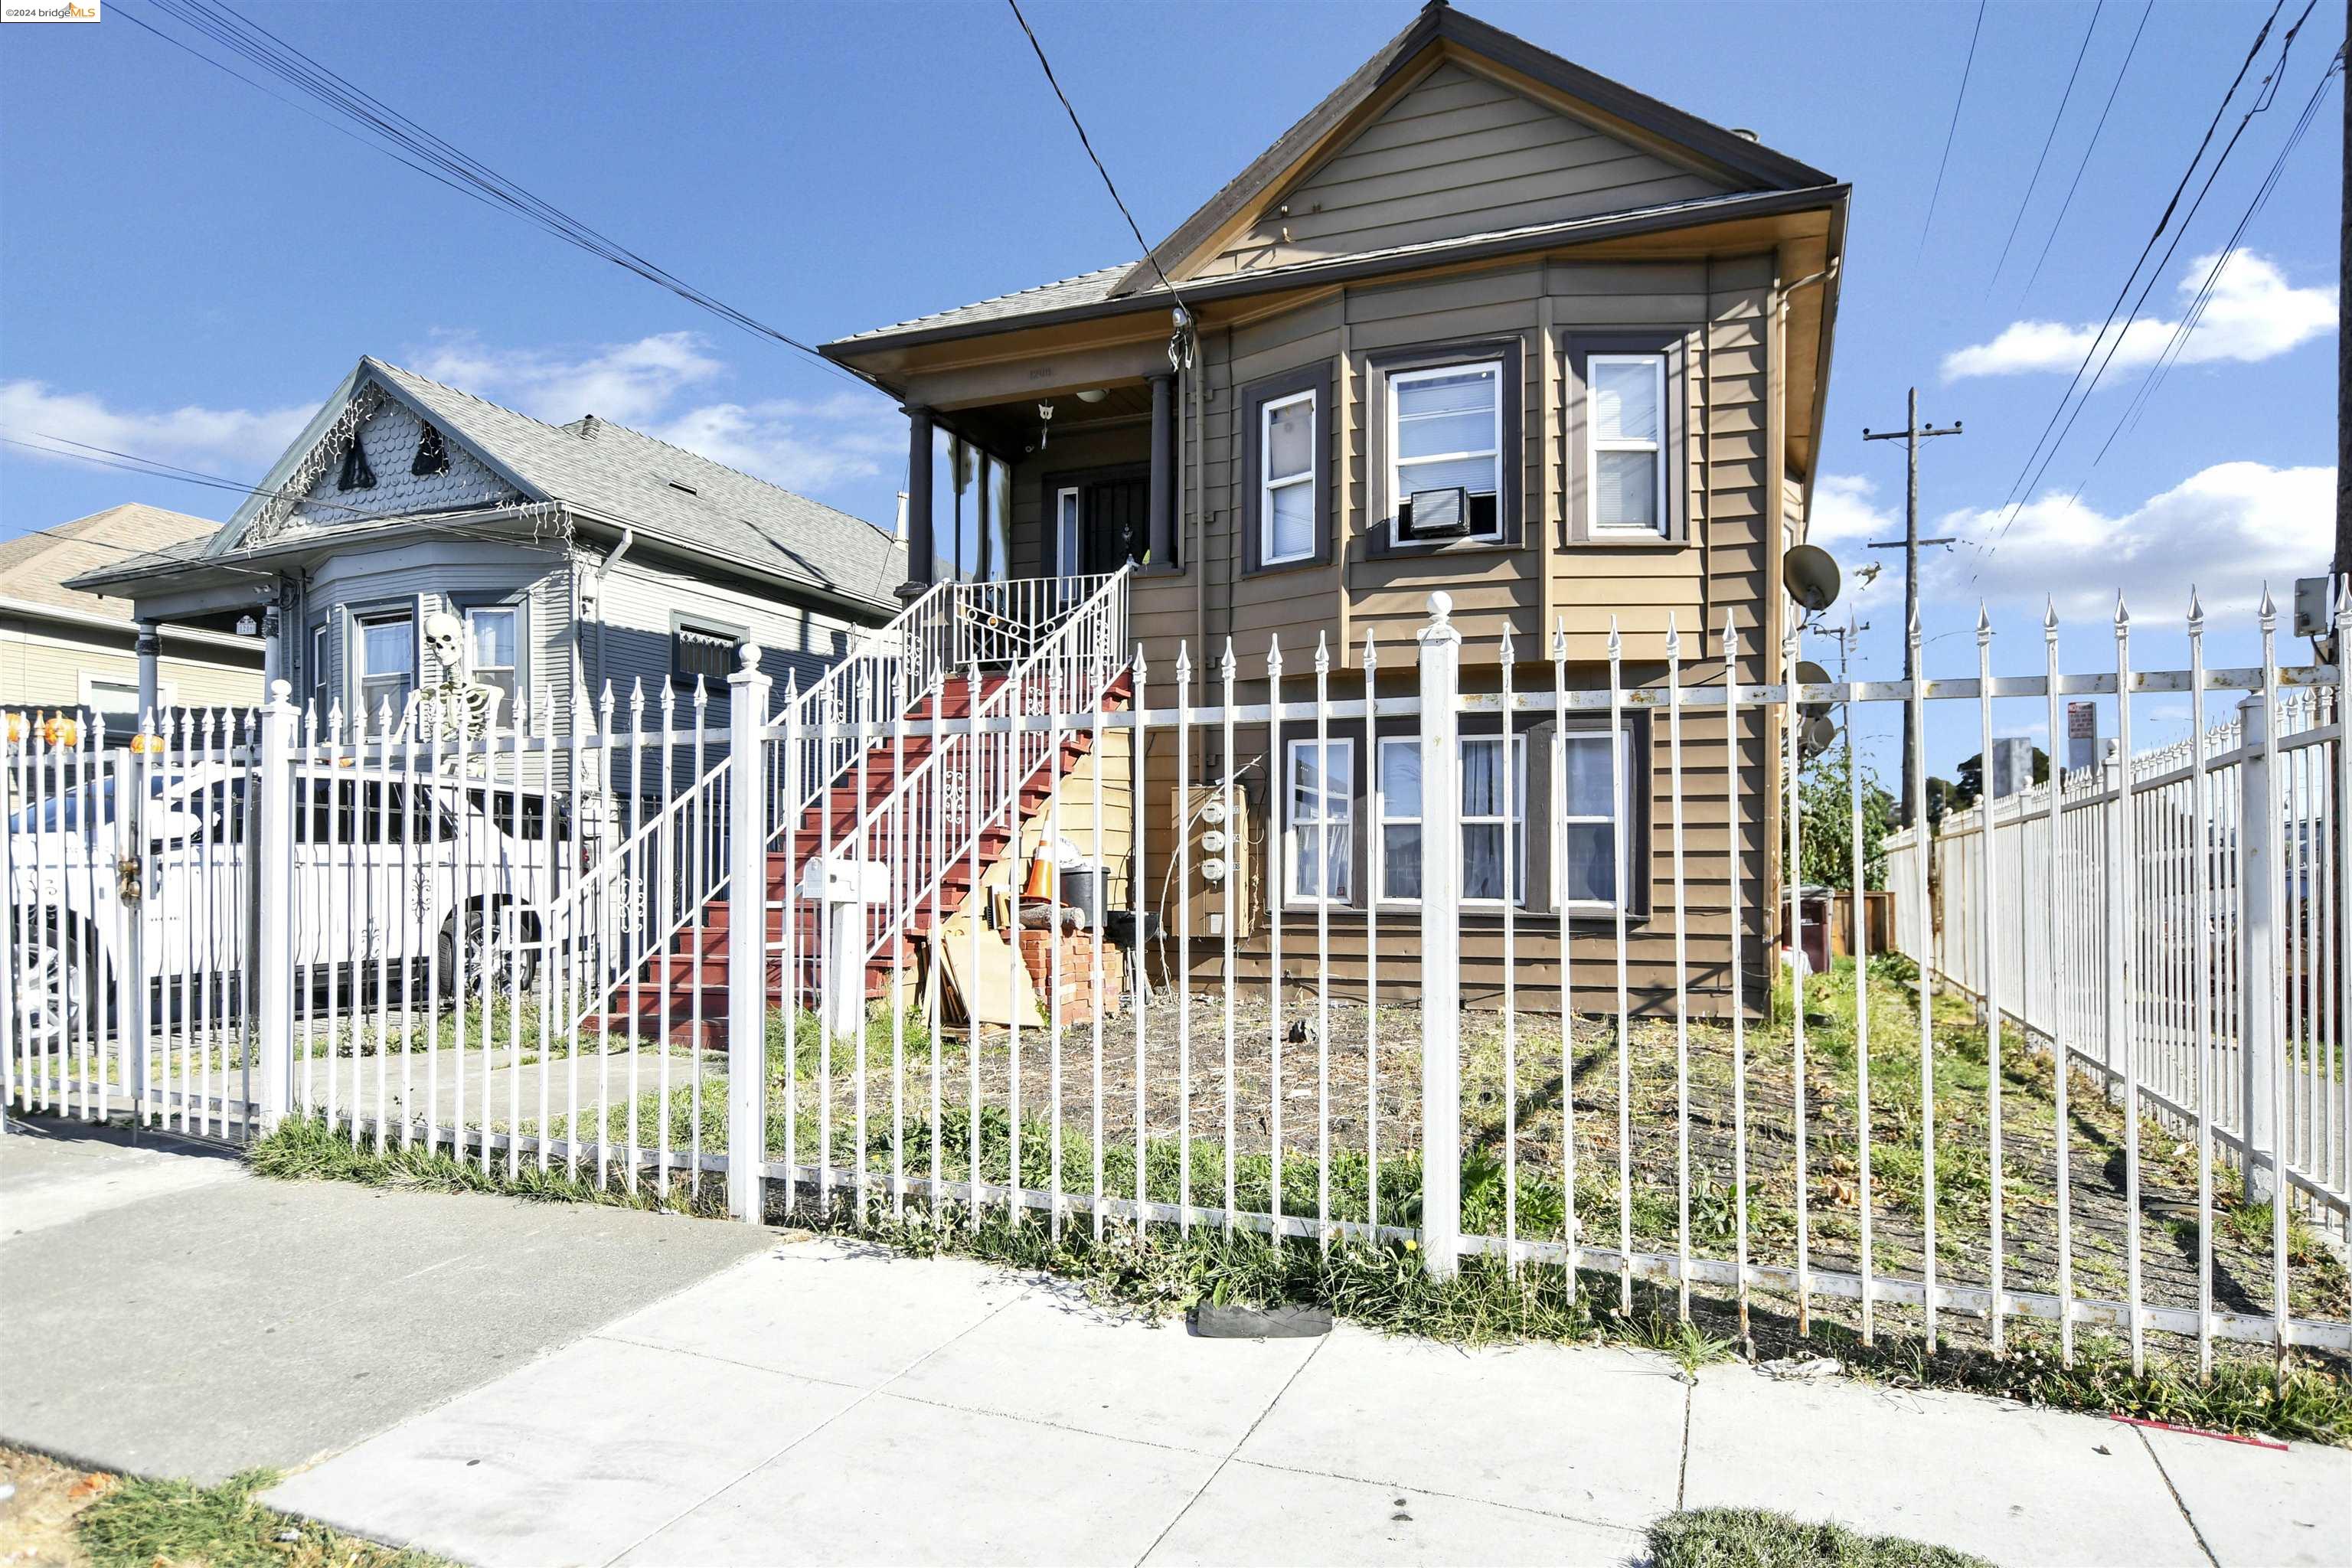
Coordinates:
[812,1092]
[92,1519]
[1754,1538]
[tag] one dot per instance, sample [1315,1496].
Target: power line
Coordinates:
[1962,97]
[2012,502]
[408,142]
[155,469]
[2186,326]
[1051,80]
[2055,120]
[2088,148]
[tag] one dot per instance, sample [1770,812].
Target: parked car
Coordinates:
[390,875]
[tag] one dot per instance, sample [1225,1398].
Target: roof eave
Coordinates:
[1345,268]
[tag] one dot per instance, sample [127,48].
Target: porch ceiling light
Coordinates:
[1094,394]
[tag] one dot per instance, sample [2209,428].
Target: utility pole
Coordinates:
[1911,435]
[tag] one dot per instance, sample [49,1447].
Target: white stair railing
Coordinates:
[950,785]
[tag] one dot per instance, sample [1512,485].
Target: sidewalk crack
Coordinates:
[1178,1517]
[2178,1501]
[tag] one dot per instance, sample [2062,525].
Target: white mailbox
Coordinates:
[839,879]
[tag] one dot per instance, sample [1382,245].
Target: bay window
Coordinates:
[1560,820]
[492,643]
[1625,432]
[1287,480]
[1444,445]
[387,664]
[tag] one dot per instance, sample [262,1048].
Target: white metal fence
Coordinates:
[441,941]
[2204,891]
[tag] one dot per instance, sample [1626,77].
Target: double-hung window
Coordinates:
[1494,816]
[1626,439]
[491,638]
[317,671]
[1445,444]
[387,665]
[1319,850]
[1287,480]
[1592,815]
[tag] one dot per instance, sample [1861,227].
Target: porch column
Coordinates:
[1163,466]
[920,553]
[150,648]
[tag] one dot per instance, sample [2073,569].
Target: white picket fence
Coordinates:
[437,935]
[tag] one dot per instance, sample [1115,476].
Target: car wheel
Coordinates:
[508,971]
[60,996]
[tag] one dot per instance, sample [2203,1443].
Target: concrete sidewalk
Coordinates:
[598,1387]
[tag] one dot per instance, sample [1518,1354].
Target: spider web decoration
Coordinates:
[432,456]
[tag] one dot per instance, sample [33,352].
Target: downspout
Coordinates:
[612,559]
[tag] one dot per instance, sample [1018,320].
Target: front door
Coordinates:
[1101,523]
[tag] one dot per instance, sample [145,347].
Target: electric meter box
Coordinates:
[1224,849]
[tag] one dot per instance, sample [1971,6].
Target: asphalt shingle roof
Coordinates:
[36,567]
[1086,289]
[631,478]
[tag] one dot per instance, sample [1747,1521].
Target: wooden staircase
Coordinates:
[687,989]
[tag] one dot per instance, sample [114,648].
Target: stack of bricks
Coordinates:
[1077,956]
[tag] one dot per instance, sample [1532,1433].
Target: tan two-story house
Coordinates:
[1482,321]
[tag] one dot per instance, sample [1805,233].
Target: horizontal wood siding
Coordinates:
[1456,154]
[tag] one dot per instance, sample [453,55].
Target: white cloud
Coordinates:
[625,383]
[2229,529]
[2253,314]
[1846,519]
[652,384]
[218,440]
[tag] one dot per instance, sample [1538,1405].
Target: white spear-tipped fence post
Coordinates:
[747,942]
[2258,1026]
[274,956]
[1441,941]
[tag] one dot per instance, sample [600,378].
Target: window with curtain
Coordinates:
[1445,432]
[492,643]
[1490,821]
[1318,847]
[1287,480]
[1625,435]
[387,665]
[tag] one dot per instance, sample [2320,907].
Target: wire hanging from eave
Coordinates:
[1180,347]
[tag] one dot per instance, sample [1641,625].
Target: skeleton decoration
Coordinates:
[459,707]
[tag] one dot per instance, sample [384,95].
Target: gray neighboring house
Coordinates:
[579,555]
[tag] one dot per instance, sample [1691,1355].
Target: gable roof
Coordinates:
[625,478]
[1752,165]
[1758,180]
[36,567]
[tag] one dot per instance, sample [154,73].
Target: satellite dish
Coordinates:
[1812,576]
[1817,736]
[1811,674]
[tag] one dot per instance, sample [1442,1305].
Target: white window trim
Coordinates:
[1595,445]
[1268,484]
[355,670]
[1398,491]
[1345,746]
[520,670]
[1069,526]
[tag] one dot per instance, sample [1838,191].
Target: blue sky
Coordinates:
[194,266]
